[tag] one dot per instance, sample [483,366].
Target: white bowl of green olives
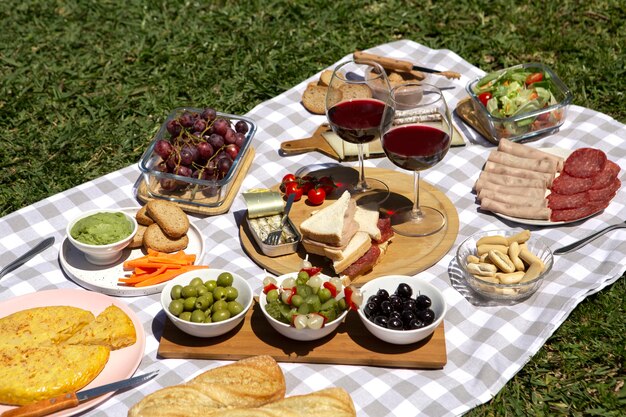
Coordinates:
[206,302]
[310,314]
[401,309]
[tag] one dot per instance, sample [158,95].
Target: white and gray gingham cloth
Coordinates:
[486,344]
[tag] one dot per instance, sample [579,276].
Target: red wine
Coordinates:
[356,121]
[415,147]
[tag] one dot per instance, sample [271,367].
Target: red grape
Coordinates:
[168,184]
[205,150]
[217,141]
[209,114]
[230,136]
[199,125]
[241,127]
[188,154]
[163,148]
[187,120]
[239,139]
[223,166]
[232,150]
[221,126]
[183,171]
[174,127]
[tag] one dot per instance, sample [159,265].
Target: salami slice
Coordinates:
[585,162]
[604,193]
[606,176]
[563,201]
[567,185]
[568,215]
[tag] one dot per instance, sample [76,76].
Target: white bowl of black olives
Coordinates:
[401,309]
[206,302]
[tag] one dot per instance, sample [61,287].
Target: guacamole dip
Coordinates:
[102,229]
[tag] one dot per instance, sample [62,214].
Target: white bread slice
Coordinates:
[335,253]
[367,218]
[333,224]
[359,244]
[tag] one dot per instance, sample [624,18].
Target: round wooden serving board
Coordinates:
[405,255]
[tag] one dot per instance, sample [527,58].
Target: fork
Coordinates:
[274,237]
[584,241]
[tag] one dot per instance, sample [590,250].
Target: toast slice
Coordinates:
[334,224]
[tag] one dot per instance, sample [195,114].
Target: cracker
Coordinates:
[154,238]
[352,91]
[137,241]
[314,99]
[325,77]
[170,218]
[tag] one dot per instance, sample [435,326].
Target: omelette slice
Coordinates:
[33,373]
[112,328]
[43,325]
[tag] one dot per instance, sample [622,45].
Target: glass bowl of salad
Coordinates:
[520,102]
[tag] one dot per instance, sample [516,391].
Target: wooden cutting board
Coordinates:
[352,344]
[405,255]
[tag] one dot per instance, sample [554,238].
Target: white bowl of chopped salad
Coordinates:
[520,102]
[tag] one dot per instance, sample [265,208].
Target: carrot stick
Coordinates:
[166,276]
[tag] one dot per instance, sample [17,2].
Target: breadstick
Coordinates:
[528,257]
[486,248]
[510,278]
[533,271]
[492,240]
[473,259]
[514,250]
[482,269]
[501,260]
[520,237]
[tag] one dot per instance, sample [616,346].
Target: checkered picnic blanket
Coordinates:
[486,344]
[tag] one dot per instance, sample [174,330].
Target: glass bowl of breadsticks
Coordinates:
[506,265]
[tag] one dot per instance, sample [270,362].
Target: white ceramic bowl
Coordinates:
[504,292]
[102,254]
[208,329]
[301,334]
[419,286]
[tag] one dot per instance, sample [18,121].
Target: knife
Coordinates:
[400,65]
[72,399]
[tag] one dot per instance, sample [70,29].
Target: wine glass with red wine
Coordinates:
[416,133]
[355,101]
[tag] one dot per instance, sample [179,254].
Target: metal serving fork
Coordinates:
[584,241]
[274,237]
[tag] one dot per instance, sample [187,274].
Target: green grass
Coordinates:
[83,86]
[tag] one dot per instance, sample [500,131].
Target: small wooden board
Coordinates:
[143,195]
[352,344]
[315,143]
[404,256]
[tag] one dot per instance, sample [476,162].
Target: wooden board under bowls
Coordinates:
[352,344]
[144,195]
[405,255]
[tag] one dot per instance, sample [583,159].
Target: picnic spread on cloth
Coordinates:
[485,343]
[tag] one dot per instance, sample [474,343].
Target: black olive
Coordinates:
[396,302]
[381,321]
[370,309]
[404,290]
[385,308]
[395,314]
[408,316]
[394,324]
[409,304]
[374,299]
[423,302]
[416,324]
[427,316]
[383,294]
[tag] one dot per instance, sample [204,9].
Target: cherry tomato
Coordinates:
[293,188]
[534,77]
[307,182]
[485,97]
[289,178]
[316,196]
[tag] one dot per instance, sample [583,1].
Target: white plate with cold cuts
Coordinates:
[564,153]
[104,278]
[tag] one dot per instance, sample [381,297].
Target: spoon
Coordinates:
[584,241]
[44,244]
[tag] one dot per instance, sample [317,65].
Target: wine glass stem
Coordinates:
[416,212]
[362,184]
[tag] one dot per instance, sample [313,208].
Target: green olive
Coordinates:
[176,292]
[271,296]
[202,290]
[185,315]
[225,279]
[231,293]
[314,303]
[302,278]
[196,281]
[219,293]
[343,305]
[176,307]
[219,305]
[189,291]
[304,308]
[208,319]
[203,302]
[296,300]
[234,308]
[324,294]
[189,304]
[220,315]
[197,316]
[210,284]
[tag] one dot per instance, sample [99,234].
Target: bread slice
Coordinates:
[325,77]
[137,241]
[367,218]
[359,244]
[352,91]
[314,99]
[142,216]
[154,238]
[171,218]
[334,224]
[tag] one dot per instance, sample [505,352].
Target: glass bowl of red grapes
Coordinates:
[401,309]
[196,155]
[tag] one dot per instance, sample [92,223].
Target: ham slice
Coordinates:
[508,198]
[514,210]
[518,172]
[531,192]
[486,178]
[524,151]
[546,165]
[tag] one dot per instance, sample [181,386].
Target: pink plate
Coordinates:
[122,363]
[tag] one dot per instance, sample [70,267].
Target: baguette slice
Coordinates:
[358,246]
[248,383]
[333,224]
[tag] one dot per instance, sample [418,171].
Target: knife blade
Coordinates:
[72,399]
[400,65]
